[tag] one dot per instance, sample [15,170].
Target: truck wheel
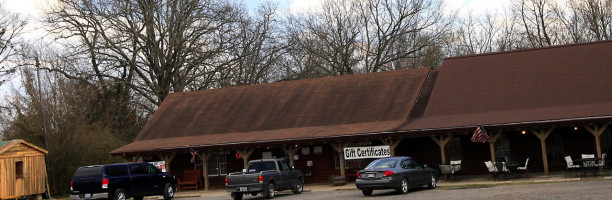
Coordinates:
[119,195]
[269,191]
[367,192]
[237,196]
[299,187]
[168,191]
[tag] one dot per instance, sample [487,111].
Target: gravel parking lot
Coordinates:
[553,191]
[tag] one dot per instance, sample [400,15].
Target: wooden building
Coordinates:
[22,169]
[542,103]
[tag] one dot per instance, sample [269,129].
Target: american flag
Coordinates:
[193,154]
[480,135]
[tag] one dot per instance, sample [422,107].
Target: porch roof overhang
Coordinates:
[254,138]
[519,118]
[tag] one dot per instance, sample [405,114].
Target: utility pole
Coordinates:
[44,123]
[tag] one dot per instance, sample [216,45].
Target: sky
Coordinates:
[33,9]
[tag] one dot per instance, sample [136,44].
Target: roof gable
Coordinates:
[7,145]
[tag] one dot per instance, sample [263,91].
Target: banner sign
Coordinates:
[161,165]
[367,152]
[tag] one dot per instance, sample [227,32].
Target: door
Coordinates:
[155,179]
[414,172]
[139,179]
[285,175]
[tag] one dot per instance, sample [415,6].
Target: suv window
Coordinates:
[116,170]
[86,172]
[150,169]
[261,166]
[137,169]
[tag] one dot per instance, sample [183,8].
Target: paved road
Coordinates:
[591,190]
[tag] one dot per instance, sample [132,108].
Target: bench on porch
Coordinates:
[192,179]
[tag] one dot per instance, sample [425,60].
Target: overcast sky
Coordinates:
[32,9]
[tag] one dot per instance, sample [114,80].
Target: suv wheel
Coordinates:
[299,187]
[168,191]
[237,196]
[119,195]
[269,191]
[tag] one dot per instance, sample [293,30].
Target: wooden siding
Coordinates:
[34,171]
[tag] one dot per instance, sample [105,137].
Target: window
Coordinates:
[283,165]
[217,164]
[116,170]
[19,169]
[137,169]
[150,169]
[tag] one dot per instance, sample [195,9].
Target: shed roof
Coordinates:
[6,145]
[526,86]
[282,111]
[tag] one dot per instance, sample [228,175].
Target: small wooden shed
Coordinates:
[22,169]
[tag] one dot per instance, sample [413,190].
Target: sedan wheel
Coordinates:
[367,192]
[403,186]
[433,183]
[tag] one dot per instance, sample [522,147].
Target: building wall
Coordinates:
[563,141]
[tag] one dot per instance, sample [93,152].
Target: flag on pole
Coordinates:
[193,154]
[480,135]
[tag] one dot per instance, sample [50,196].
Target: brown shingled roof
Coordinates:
[527,86]
[294,110]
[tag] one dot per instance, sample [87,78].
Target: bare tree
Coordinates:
[254,48]
[397,29]
[11,26]
[153,47]
[327,38]
[540,24]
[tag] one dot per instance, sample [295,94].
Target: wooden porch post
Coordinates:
[542,134]
[167,158]
[205,156]
[492,140]
[441,141]
[339,147]
[597,131]
[245,153]
[392,143]
[290,150]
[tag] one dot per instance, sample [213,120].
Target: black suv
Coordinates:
[121,181]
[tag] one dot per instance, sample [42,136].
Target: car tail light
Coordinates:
[105,183]
[71,186]
[358,175]
[388,173]
[260,178]
[225,181]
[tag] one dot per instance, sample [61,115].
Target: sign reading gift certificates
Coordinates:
[367,152]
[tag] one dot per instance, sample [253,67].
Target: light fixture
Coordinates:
[268,147]
[575,128]
[296,145]
[523,132]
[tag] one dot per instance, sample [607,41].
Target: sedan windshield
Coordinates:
[382,163]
